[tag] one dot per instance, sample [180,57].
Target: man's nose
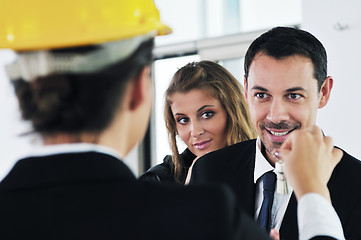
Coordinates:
[278,111]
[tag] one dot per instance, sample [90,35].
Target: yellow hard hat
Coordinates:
[27,25]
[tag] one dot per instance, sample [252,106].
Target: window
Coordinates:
[163,72]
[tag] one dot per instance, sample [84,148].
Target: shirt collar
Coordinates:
[45,150]
[261,164]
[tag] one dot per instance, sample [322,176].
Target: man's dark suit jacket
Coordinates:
[234,166]
[92,195]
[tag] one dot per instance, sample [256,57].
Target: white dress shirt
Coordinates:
[316,216]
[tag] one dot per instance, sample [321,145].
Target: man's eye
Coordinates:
[207,115]
[294,96]
[261,95]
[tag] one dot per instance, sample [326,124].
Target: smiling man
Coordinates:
[286,82]
[283,95]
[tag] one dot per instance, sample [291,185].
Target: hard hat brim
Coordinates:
[31,28]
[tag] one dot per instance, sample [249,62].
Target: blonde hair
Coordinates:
[218,83]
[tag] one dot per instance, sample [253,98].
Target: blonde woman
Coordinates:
[206,108]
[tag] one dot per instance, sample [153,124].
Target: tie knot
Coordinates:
[269,180]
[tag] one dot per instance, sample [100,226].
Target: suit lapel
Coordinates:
[244,166]
[232,166]
[289,226]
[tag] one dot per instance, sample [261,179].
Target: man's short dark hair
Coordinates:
[282,42]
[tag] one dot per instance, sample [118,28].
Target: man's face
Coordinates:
[283,96]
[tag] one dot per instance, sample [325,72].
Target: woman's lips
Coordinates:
[202,145]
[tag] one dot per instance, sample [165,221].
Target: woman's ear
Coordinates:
[140,88]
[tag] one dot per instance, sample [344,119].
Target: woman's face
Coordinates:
[201,121]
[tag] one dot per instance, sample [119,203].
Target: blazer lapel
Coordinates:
[289,226]
[244,165]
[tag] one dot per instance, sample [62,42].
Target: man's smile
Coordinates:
[279,133]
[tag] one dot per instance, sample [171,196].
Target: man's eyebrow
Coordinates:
[259,88]
[295,89]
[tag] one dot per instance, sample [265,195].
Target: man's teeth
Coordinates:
[279,133]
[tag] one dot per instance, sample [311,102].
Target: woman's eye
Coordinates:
[182,120]
[207,115]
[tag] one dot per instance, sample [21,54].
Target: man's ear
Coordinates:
[140,88]
[325,91]
[245,88]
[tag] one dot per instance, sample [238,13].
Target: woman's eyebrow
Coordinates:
[203,107]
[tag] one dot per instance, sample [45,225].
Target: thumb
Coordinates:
[336,156]
[287,146]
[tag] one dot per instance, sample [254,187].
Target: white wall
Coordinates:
[185,17]
[342,116]
[264,14]
[12,146]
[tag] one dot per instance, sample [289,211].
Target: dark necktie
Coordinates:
[269,180]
